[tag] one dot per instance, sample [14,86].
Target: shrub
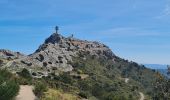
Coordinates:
[25,77]
[1,62]
[39,89]
[53,94]
[113,96]
[84,94]
[23,81]
[65,77]
[25,73]
[8,85]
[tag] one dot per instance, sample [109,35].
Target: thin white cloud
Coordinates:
[165,12]
[129,31]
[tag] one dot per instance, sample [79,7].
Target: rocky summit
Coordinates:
[55,54]
[89,70]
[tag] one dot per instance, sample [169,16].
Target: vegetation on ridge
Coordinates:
[93,78]
[104,79]
[84,69]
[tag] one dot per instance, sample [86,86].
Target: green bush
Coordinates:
[39,89]
[1,62]
[25,77]
[84,94]
[9,87]
[23,81]
[65,77]
[25,73]
[113,96]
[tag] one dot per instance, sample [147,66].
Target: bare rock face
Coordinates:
[10,59]
[54,38]
[56,53]
[7,54]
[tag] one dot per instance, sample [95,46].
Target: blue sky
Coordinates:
[137,30]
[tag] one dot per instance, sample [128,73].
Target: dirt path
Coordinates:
[142,97]
[26,93]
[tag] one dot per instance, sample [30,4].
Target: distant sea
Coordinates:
[155,66]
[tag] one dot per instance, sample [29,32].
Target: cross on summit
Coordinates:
[56,29]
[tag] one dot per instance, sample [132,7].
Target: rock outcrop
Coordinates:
[56,53]
[7,54]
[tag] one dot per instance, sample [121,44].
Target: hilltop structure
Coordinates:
[56,29]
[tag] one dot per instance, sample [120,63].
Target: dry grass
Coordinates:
[52,94]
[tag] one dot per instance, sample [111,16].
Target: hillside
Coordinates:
[164,72]
[82,69]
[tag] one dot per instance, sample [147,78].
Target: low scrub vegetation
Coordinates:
[52,94]
[9,86]
[93,78]
[39,89]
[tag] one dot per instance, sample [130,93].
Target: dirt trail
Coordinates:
[25,93]
[142,97]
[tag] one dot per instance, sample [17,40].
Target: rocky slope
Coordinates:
[7,54]
[57,51]
[8,58]
[55,54]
